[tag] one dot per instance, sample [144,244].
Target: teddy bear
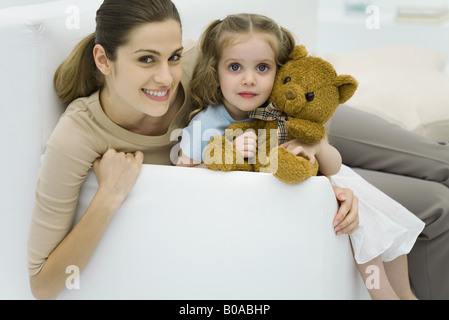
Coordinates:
[306,92]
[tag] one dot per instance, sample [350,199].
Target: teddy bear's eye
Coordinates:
[287,80]
[310,96]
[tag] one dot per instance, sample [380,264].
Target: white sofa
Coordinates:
[213,242]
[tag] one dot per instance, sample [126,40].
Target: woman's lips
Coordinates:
[158,95]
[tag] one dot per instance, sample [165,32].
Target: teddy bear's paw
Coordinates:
[214,154]
[220,155]
[231,167]
[291,168]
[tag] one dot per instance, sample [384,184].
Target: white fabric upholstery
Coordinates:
[186,233]
[182,233]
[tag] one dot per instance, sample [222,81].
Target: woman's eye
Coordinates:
[234,67]
[175,57]
[146,59]
[262,67]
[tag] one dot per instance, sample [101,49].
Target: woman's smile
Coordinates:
[157,95]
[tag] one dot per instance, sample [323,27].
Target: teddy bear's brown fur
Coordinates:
[306,93]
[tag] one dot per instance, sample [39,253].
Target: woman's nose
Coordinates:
[163,75]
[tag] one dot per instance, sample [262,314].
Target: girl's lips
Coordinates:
[247,94]
[158,95]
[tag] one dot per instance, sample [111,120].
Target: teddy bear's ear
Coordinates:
[347,86]
[298,52]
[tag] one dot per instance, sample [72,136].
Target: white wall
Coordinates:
[13,3]
[297,16]
[341,31]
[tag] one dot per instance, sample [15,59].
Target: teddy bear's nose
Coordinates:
[290,94]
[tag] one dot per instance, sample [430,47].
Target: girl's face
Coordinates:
[145,76]
[246,72]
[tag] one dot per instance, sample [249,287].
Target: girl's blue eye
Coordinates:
[262,67]
[234,67]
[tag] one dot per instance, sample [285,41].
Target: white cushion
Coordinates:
[189,233]
[404,85]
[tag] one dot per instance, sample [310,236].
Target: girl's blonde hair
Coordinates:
[205,85]
[78,76]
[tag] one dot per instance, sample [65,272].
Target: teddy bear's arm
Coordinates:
[242,126]
[305,130]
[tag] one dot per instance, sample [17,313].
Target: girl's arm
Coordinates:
[329,158]
[116,174]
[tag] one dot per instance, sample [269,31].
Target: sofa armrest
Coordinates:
[189,233]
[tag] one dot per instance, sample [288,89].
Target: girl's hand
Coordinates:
[328,157]
[246,144]
[347,219]
[301,149]
[116,173]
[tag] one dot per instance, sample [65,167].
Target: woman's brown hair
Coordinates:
[205,85]
[78,75]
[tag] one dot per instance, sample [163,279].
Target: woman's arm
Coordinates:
[116,174]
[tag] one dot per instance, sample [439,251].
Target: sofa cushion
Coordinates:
[230,242]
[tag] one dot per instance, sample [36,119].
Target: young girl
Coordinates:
[239,57]
[245,82]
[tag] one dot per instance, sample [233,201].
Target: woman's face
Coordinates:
[145,76]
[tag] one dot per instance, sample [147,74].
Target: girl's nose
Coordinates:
[249,80]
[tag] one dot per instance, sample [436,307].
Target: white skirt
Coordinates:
[386,228]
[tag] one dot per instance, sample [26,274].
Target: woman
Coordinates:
[127,91]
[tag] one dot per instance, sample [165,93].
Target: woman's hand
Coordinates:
[347,219]
[116,173]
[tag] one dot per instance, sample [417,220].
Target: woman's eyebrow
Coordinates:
[155,52]
[147,51]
